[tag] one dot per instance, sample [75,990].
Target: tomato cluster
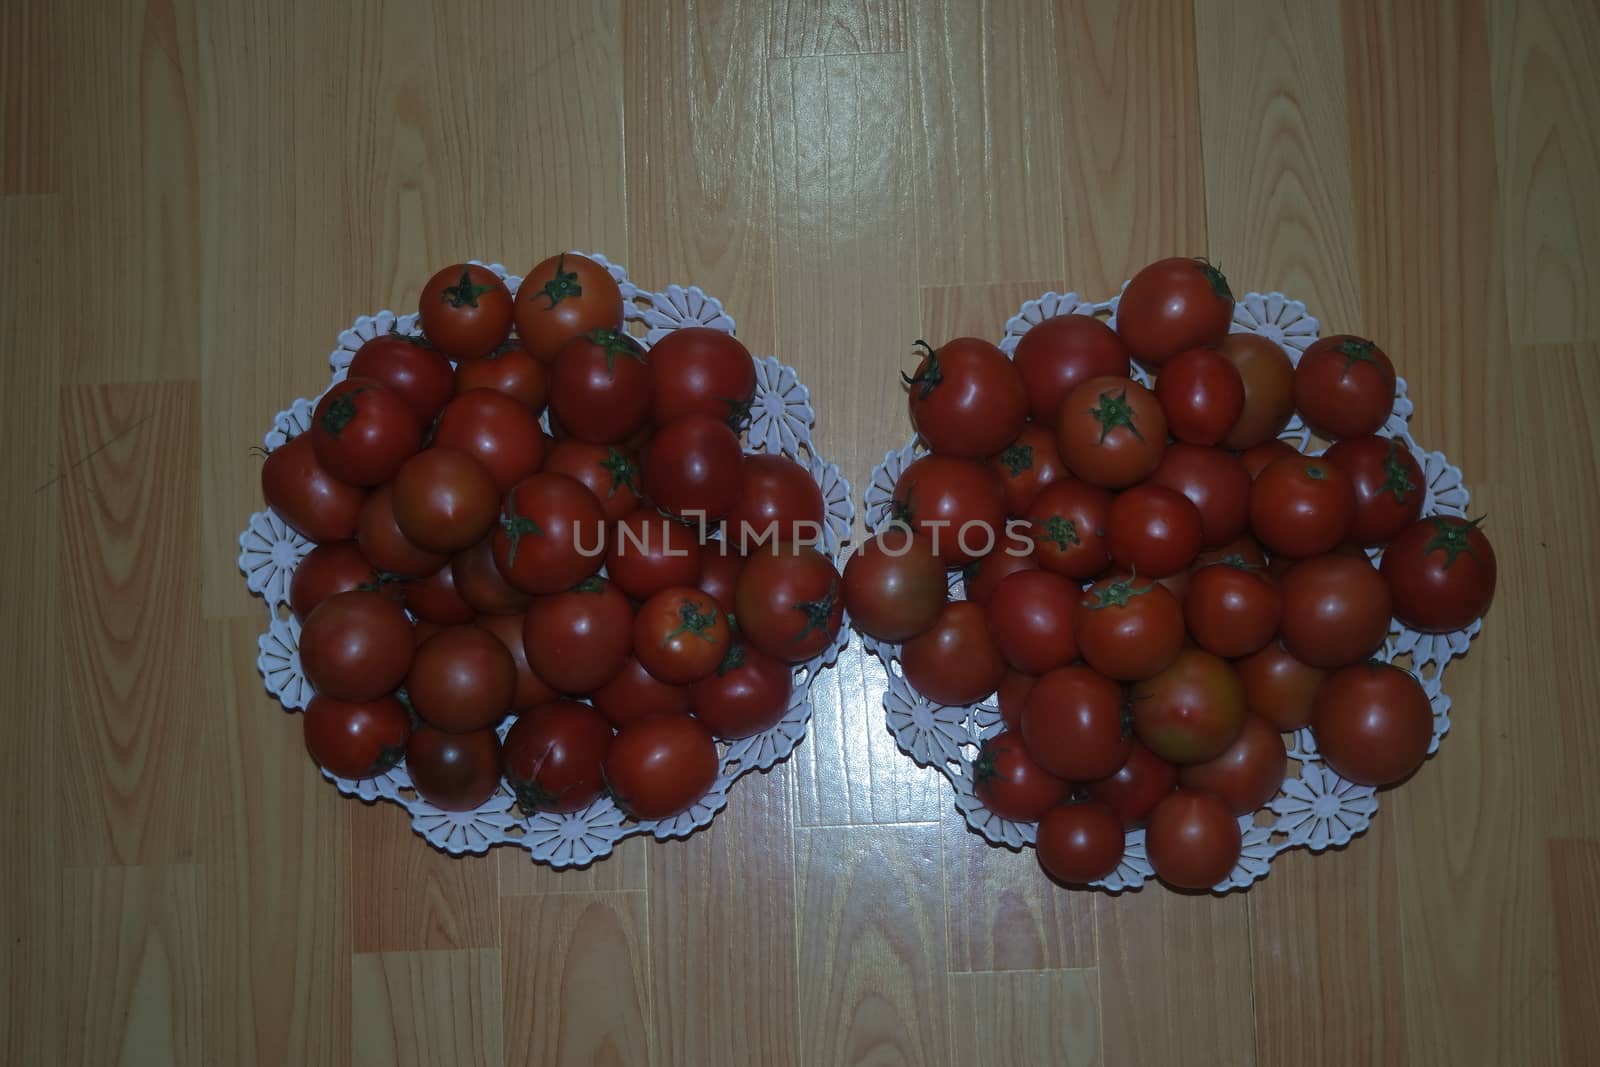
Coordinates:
[1156,586]
[470,565]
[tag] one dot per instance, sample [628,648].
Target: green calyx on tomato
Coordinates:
[515,527]
[1396,478]
[903,511]
[532,799]
[1356,350]
[1017,458]
[615,343]
[341,409]
[464,293]
[983,768]
[411,710]
[1117,595]
[929,375]
[1314,472]
[564,284]
[383,578]
[691,620]
[1113,412]
[592,584]
[738,412]
[623,471]
[1217,280]
[1451,538]
[817,611]
[733,660]
[1063,533]
[388,756]
[420,340]
[1239,563]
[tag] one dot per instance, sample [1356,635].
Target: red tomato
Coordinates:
[1344,387]
[955,661]
[454,772]
[1111,432]
[1278,687]
[1215,482]
[1248,774]
[1030,618]
[1441,573]
[1202,394]
[510,371]
[462,679]
[1232,610]
[982,577]
[1191,711]
[1073,724]
[661,766]
[894,586]
[701,371]
[635,693]
[600,387]
[692,468]
[563,297]
[1335,610]
[496,431]
[1171,306]
[327,569]
[356,646]
[650,553]
[1011,695]
[966,398]
[680,635]
[958,504]
[1060,352]
[1080,842]
[1011,784]
[444,500]
[605,470]
[1141,783]
[410,366]
[1193,840]
[578,640]
[421,630]
[1372,723]
[1268,378]
[1258,458]
[1067,524]
[481,584]
[1301,507]
[465,310]
[1129,628]
[1388,484]
[788,602]
[551,534]
[362,431]
[748,693]
[356,740]
[1153,530]
[306,497]
[436,599]
[719,572]
[1027,465]
[381,540]
[553,757]
[530,689]
[776,493]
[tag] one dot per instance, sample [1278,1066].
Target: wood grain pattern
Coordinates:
[28,92]
[1022,1019]
[412,1009]
[982,310]
[417,898]
[836,27]
[1574,885]
[627,869]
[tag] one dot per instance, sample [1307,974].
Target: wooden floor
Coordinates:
[196,195]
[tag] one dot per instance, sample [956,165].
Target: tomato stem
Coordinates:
[1017,458]
[733,660]
[817,611]
[691,620]
[564,284]
[464,293]
[1214,275]
[1451,537]
[1396,476]
[615,343]
[928,375]
[1115,411]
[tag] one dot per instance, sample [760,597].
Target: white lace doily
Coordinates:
[1315,809]
[781,418]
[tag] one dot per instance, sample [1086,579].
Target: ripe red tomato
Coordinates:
[788,602]
[465,310]
[356,740]
[966,398]
[1129,627]
[1372,723]
[748,693]
[306,497]
[410,366]
[1060,352]
[1278,687]
[680,635]
[553,757]
[328,569]
[1193,840]
[1074,724]
[1258,458]
[1134,791]
[1191,711]
[1301,507]
[701,371]
[462,679]
[1215,482]
[634,693]
[982,577]
[600,387]
[481,584]
[1388,484]
[1248,774]
[382,542]
[510,371]
[605,470]
[661,766]
[1268,378]
[1031,619]
[444,500]
[692,468]
[955,661]
[1011,695]
[563,297]
[454,772]
[1027,465]
[1067,525]
[958,504]
[650,553]
[1079,843]
[776,493]
[1011,784]
[1242,551]
[530,689]
[421,630]
[1335,610]
[436,599]
[719,572]
[496,431]
[579,639]
[1232,610]
[1153,530]
[1441,573]
[1344,387]
[1171,306]
[1111,432]
[362,431]
[551,534]
[1202,394]
[356,646]
[894,586]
